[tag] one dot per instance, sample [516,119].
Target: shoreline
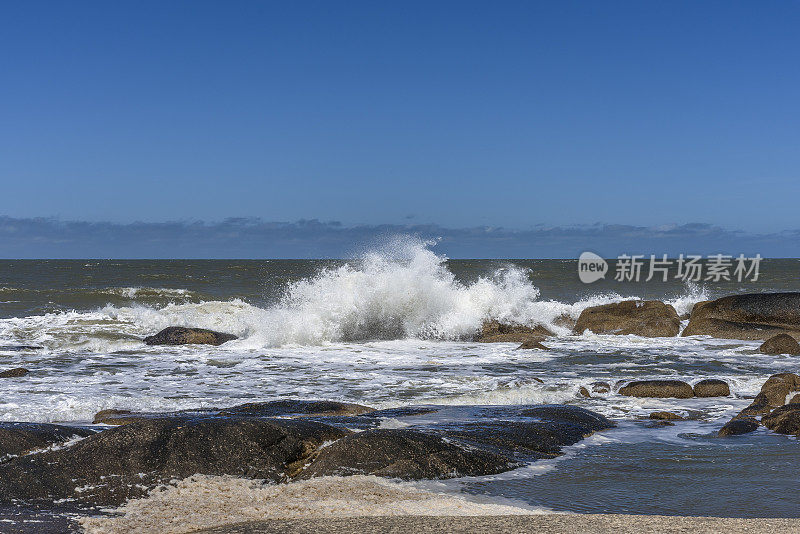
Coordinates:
[551,523]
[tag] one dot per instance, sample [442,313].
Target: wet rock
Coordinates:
[177,335]
[583,392]
[666,416]
[280,408]
[404,411]
[586,420]
[795,399]
[497,332]
[749,316]
[658,388]
[14,373]
[780,344]
[776,389]
[711,387]
[404,454]
[737,426]
[121,417]
[648,318]
[532,343]
[564,321]
[659,424]
[601,387]
[784,420]
[22,438]
[125,462]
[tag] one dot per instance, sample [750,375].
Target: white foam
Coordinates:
[205,501]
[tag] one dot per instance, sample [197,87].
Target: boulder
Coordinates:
[583,392]
[14,373]
[22,438]
[780,344]
[749,316]
[711,387]
[126,461]
[648,318]
[784,420]
[666,416]
[532,343]
[658,388]
[776,389]
[737,426]
[178,335]
[497,332]
[405,454]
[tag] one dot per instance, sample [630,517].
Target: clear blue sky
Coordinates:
[454,113]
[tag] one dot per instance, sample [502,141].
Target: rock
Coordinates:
[14,373]
[737,426]
[121,417]
[22,438]
[780,344]
[658,388]
[281,408]
[126,461]
[404,454]
[659,424]
[776,389]
[585,420]
[583,392]
[177,335]
[532,343]
[784,420]
[497,332]
[565,321]
[666,416]
[648,318]
[601,387]
[795,399]
[711,387]
[748,316]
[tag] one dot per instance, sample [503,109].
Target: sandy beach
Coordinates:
[551,523]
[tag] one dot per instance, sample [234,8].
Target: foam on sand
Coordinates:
[204,501]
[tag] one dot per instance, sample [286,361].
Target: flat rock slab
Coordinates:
[22,438]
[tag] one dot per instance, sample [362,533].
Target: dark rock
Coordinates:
[659,424]
[404,454]
[658,388]
[586,420]
[780,344]
[648,318]
[784,420]
[177,335]
[14,373]
[554,427]
[583,392]
[281,408]
[711,387]
[666,416]
[737,426]
[497,332]
[21,438]
[601,387]
[532,343]
[126,461]
[749,316]
[121,417]
[404,411]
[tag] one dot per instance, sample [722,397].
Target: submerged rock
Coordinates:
[405,454]
[178,335]
[296,407]
[532,343]
[125,462]
[738,426]
[14,373]
[601,387]
[648,318]
[780,344]
[585,420]
[497,332]
[21,438]
[712,387]
[666,416]
[749,316]
[658,388]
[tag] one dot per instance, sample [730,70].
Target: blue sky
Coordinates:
[459,114]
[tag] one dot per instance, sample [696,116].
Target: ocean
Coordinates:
[390,329]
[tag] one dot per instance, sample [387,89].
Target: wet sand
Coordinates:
[550,523]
